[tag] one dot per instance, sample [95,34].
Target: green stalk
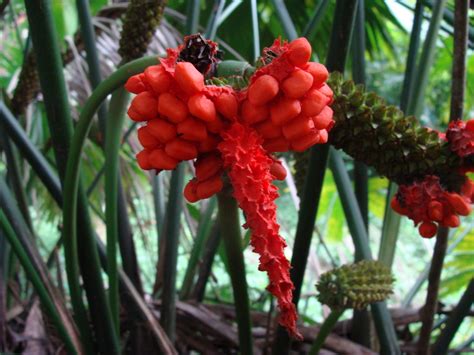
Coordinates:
[363,333]
[205,266]
[213,22]
[316,19]
[458,88]
[171,235]
[34,157]
[192,18]
[383,321]
[46,46]
[423,276]
[415,105]
[230,231]
[71,181]
[93,64]
[71,346]
[255,29]
[441,346]
[14,175]
[391,223]
[118,106]
[285,19]
[344,16]
[325,330]
[10,209]
[202,235]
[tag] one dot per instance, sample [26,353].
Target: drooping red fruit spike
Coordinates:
[248,167]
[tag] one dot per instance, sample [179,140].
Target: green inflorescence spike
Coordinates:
[141,19]
[355,285]
[381,136]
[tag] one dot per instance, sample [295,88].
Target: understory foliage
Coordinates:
[285,167]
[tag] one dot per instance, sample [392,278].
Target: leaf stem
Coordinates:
[325,330]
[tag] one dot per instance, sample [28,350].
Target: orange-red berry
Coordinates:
[226,105]
[262,90]
[284,110]
[146,138]
[207,166]
[277,170]
[252,114]
[143,160]
[323,136]
[192,129]
[428,229]
[209,187]
[181,150]
[162,130]
[299,51]
[274,145]
[395,204]
[313,103]
[162,161]
[303,143]
[190,191]
[201,107]
[189,79]
[215,126]
[324,119]
[209,144]
[451,221]
[459,204]
[297,84]
[268,130]
[319,72]
[144,104]
[135,84]
[158,79]
[172,108]
[299,127]
[435,211]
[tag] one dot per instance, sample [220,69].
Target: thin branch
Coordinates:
[458,87]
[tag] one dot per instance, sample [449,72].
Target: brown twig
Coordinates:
[458,85]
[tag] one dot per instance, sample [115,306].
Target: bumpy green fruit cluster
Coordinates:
[381,136]
[355,285]
[141,20]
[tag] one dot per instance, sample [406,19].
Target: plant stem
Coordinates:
[458,87]
[37,161]
[118,106]
[205,267]
[285,19]
[391,221]
[441,346]
[325,330]
[202,235]
[73,348]
[171,235]
[46,46]
[230,231]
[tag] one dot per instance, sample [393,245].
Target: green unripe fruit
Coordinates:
[355,285]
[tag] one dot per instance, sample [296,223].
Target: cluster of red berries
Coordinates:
[286,103]
[287,100]
[428,204]
[460,135]
[184,118]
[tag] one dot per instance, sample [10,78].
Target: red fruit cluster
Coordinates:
[251,177]
[428,204]
[460,135]
[285,107]
[287,100]
[183,120]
